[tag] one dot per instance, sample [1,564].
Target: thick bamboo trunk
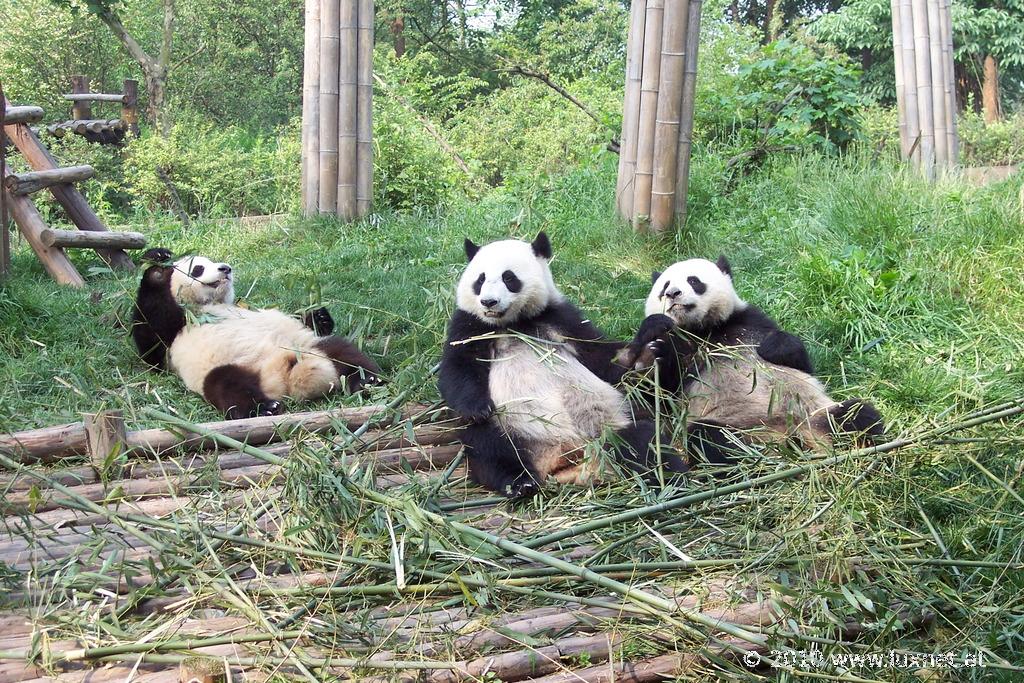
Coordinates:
[311,111]
[329,56]
[938,89]
[670,99]
[649,85]
[949,84]
[78,239]
[631,110]
[15,115]
[348,108]
[901,103]
[923,69]
[364,110]
[687,110]
[910,81]
[33,181]
[991,107]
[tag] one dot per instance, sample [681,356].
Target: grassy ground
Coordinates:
[908,293]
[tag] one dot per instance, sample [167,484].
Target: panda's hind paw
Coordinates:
[268,408]
[523,487]
[320,321]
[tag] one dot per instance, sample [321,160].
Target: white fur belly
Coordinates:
[268,342]
[543,393]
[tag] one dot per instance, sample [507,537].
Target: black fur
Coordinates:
[542,246]
[723,265]
[358,369]
[236,392]
[320,321]
[710,442]
[156,318]
[857,417]
[499,461]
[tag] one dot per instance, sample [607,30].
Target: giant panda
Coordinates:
[739,376]
[242,361]
[534,377]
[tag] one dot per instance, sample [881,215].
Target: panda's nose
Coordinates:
[673,293]
[488,303]
[224,268]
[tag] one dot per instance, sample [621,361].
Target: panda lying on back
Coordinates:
[534,376]
[242,361]
[736,370]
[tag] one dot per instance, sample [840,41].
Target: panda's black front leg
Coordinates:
[636,446]
[783,348]
[499,462]
[236,392]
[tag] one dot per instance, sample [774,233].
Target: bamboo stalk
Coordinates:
[948,81]
[329,56]
[667,124]
[937,86]
[897,53]
[311,111]
[687,110]
[631,110]
[95,97]
[364,107]
[923,70]
[649,85]
[348,108]
[913,124]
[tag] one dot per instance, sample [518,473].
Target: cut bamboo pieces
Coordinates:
[661,66]
[337,126]
[925,97]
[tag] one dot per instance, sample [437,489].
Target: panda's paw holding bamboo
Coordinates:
[157,255]
[320,321]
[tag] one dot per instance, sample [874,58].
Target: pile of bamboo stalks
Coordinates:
[337,110]
[925,94]
[657,117]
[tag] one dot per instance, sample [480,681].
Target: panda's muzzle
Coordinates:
[489,310]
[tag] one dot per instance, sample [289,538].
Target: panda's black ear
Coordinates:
[542,246]
[723,265]
[655,275]
[470,248]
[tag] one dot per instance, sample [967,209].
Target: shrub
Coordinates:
[992,144]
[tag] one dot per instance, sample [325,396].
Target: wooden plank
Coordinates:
[77,208]
[93,240]
[95,97]
[23,115]
[31,224]
[33,181]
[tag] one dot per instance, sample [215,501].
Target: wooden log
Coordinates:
[95,97]
[80,86]
[130,106]
[649,85]
[33,181]
[687,111]
[31,225]
[106,441]
[670,100]
[348,67]
[14,115]
[923,69]
[910,81]
[364,106]
[78,239]
[329,55]
[46,444]
[311,111]
[631,110]
[74,204]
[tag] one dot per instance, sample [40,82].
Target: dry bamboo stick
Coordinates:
[364,109]
[329,55]
[946,28]
[15,115]
[631,110]
[347,107]
[649,85]
[311,111]
[910,82]
[95,97]
[897,53]
[686,111]
[667,123]
[923,71]
[33,181]
[93,240]
[936,85]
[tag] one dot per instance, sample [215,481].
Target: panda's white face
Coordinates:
[696,294]
[198,280]
[506,281]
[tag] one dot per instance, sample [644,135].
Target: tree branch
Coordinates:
[113,22]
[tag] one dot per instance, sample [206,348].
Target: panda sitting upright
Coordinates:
[737,372]
[535,378]
[242,361]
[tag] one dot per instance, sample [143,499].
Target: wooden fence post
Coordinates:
[80,109]
[130,106]
[106,442]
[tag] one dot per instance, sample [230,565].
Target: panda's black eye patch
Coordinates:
[197,271]
[479,283]
[513,283]
[698,286]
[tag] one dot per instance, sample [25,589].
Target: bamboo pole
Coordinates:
[687,109]
[670,99]
[631,110]
[910,81]
[329,55]
[937,85]
[946,27]
[5,231]
[649,84]
[347,112]
[95,97]
[897,54]
[311,111]
[923,69]
[364,109]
